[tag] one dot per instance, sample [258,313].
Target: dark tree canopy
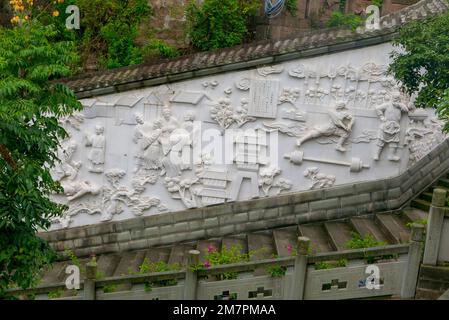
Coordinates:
[422,63]
[30,104]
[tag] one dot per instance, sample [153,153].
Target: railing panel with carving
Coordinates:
[350,282]
[138,292]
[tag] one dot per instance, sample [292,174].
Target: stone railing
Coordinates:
[397,267]
[434,272]
[241,217]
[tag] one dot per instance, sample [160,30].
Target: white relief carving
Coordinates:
[319,180]
[241,113]
[210,84]
[74,120]
[214,186]
[267,180]
[67,172]
[265,71]
[340,125]
[149,153]
[292,130]
[356,164]
[228,91]
[263,100]
[289,95]
[243,84]
[423,135]
[116,196]
[390,113]
[183,189]
[314,93]
[190,97]
[97,143]
[302,72]
[170,143]
[366,137]
[294,114]
[223,113]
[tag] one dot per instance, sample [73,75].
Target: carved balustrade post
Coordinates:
[300,270]
[435,226]
[411,274]
[191,280]
[89,282]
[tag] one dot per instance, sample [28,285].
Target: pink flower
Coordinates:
[289,248]
[211,248]
[206,264]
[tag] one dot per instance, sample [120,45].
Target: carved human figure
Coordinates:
[97,142]
[168,140]
[169,124]
[150,147]
[340,125]
[67,172]
[66,166]
[390,113]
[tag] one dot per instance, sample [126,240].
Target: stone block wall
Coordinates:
[247,216]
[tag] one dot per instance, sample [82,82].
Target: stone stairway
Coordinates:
[424,200]
[328,236]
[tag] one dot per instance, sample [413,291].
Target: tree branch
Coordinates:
[6,155]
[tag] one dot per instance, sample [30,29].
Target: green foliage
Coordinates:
[31,102]
[111,32]
[339,19]
[160,266]
[291,6]
[331,264]
[277,271]
[109,288]
[422,63]
[378,3]
[359,242]
[234,254]
[158,47]
[419,221]
[219,23]
[55,294]
[110,28]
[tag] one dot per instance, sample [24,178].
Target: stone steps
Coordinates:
[261,245]
[421,204]
[230,242]
[325,237]
[367,226]
[414,214]
[339,233]
[285,241]
[319,238]
[393,227]
[179,254]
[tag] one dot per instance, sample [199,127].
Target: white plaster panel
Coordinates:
[136,177]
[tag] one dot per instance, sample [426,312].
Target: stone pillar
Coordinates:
[435,226]
[191,280]
[411,273]
[89,282]
[300,270]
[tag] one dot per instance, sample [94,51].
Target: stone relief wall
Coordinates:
[303,124]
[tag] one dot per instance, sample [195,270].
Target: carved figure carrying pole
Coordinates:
[340,125]
[390,113]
